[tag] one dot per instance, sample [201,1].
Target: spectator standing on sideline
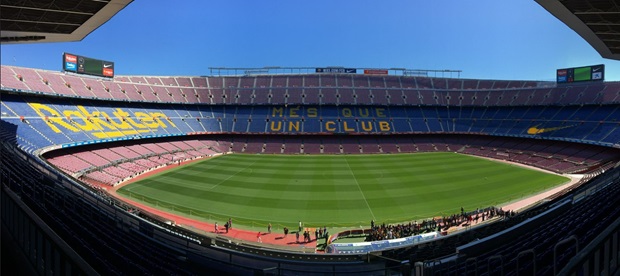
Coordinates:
[226,226]
[297,237]
[285,232]
[216,231]
[316,234]
[258,239]
[269,228]
[300,226]
[230,223]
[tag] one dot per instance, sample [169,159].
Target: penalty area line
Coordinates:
[229,177]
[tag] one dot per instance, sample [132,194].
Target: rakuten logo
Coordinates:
[71,58]
[108,72]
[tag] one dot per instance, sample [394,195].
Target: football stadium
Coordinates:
[305,170]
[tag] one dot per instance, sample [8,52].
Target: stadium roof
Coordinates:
[24,21]
[597,21]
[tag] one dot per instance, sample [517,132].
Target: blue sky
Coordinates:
[486,39]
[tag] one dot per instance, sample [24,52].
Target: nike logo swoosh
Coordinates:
[596,69]
[107,65]
[535,130]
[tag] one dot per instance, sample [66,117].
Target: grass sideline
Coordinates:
[335,190]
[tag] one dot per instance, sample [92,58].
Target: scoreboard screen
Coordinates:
[88,66]
[579,74]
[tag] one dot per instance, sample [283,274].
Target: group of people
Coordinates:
[395,231]
[227,226]
[307,235]
[475,216]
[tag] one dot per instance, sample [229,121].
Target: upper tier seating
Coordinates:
[347,89]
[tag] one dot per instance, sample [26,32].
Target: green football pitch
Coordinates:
[335,190]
